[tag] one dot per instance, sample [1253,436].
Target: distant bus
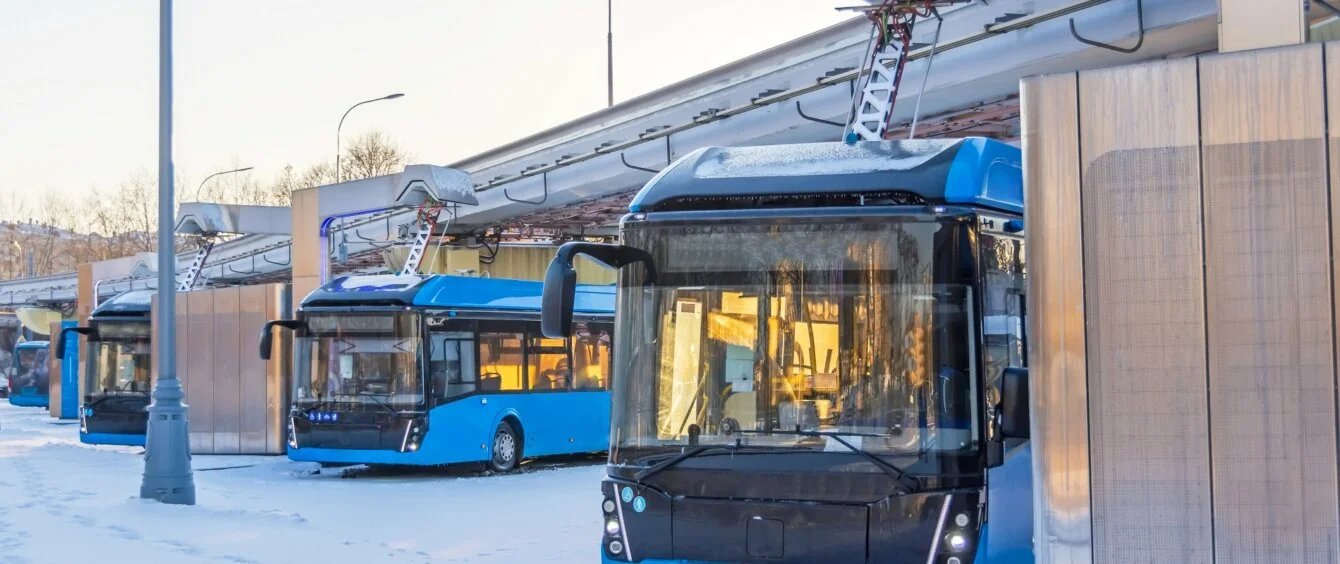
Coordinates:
[10,328]
[432,370]
[30,375]
[117,367]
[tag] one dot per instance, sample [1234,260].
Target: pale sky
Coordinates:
[263,83]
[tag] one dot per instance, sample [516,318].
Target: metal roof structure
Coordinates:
[577,178]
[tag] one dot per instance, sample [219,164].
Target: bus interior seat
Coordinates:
[490,382]
[742,407]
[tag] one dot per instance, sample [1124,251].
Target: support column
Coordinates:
[1257,24]
[84,308]
[307,249]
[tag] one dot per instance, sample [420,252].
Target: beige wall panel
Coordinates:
[1144,287]
[278,303]
[83,308]
[198,364]
[1272,383]
[1256,24]
[306,246]
[520,263]
[251,369]
[226,377]
[1056,323]
[54,377]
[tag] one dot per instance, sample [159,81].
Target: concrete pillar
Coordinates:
[84,308]
[1257,24]
[307,249]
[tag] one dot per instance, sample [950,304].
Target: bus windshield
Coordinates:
[120,367]
[366,358]
[121,359]
[31,371]
[782,335]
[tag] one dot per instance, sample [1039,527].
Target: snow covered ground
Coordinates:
[61,502]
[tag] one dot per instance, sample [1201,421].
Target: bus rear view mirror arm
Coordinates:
[560,280]
[60,342]
[1013,410]
[267,335]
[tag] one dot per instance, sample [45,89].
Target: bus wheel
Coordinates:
[506,450]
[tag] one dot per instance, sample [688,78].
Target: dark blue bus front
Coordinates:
[809,348]
[116,378]
[30,375]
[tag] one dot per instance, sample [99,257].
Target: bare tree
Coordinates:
[372,154]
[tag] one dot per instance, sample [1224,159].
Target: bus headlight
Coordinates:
[612,526]
[956,541]
[608,506]
[616,547]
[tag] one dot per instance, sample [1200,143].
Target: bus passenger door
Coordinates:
[590,345]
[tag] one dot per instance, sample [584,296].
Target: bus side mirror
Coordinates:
[560,288]
[1014,403]
[60,341]
[560,281]
[267,334]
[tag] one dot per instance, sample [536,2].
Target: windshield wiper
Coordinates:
[904,479]
[663,465]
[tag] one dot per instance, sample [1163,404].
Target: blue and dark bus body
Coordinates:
[117,370]
[737,475]
[477,368]
[30,375]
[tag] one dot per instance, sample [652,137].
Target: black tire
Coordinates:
[505,451]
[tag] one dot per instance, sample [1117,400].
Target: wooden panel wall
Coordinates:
[1272,378]
[226,374]
[252,370]
[196,363]
[237,401]
[1206,342]
[1056,322]
[1148,416]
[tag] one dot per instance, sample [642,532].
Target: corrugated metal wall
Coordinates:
[519,263]
[237,401]
[1203,365]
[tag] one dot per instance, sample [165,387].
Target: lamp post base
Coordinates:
[167,448]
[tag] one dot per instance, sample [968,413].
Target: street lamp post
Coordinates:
[338,178]
[167,452]
[202,182]
[609,51]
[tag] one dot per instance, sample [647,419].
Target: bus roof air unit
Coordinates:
[973,171]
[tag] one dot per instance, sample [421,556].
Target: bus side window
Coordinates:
[500,362]
[591,357]
[1004,308]
[548,367]
[451,363]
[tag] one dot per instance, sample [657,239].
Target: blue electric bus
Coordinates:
[820,357]
[432,370]
[117,364]
[30,374]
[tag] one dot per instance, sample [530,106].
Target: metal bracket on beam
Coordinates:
[817,120]
[1139,14]
[286,262]
[668,161]
[545,179]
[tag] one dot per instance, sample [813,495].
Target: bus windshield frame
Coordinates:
[370,358]
[816,367]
